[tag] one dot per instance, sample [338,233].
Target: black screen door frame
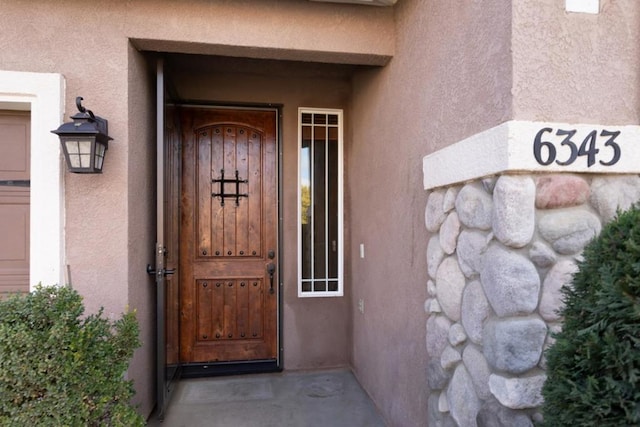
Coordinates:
[167,375]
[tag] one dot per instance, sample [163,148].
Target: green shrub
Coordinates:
[60,368]
[594,366]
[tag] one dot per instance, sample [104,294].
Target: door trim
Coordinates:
[197,370]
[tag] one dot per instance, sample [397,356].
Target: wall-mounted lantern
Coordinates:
[84,141]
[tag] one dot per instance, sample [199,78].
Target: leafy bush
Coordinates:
[594,366]
[60,368]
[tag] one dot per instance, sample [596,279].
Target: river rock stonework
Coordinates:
[500,249]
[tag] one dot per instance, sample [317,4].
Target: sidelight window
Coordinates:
[320,205]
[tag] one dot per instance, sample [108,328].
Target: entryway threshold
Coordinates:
[331,398]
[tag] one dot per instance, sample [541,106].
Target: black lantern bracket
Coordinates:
[83,114]
[84,141]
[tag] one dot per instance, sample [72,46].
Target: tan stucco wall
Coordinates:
[576,67]
[450,77]
[278,29]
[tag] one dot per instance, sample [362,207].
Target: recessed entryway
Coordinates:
[231,210]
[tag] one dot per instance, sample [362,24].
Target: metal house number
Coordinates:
[545,149]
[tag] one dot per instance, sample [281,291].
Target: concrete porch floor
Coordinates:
[288,399]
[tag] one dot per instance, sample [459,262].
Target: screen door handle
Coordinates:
[165,271]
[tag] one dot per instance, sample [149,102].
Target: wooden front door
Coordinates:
[228,249]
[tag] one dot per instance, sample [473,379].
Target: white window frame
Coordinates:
[340,243]
[43,95]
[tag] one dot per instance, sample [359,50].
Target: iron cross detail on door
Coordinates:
[224,181]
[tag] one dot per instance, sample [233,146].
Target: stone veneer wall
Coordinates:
[500,250]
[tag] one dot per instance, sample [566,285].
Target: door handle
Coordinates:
[271,268]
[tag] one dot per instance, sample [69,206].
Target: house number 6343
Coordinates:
[545,151]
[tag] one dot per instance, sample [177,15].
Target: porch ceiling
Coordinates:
[180,65]
[271,67]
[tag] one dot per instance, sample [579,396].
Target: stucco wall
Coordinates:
[576,67]
[278,29]
[96,232]
[449,78]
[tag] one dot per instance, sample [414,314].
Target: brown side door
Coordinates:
[228,249]
[15,158]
